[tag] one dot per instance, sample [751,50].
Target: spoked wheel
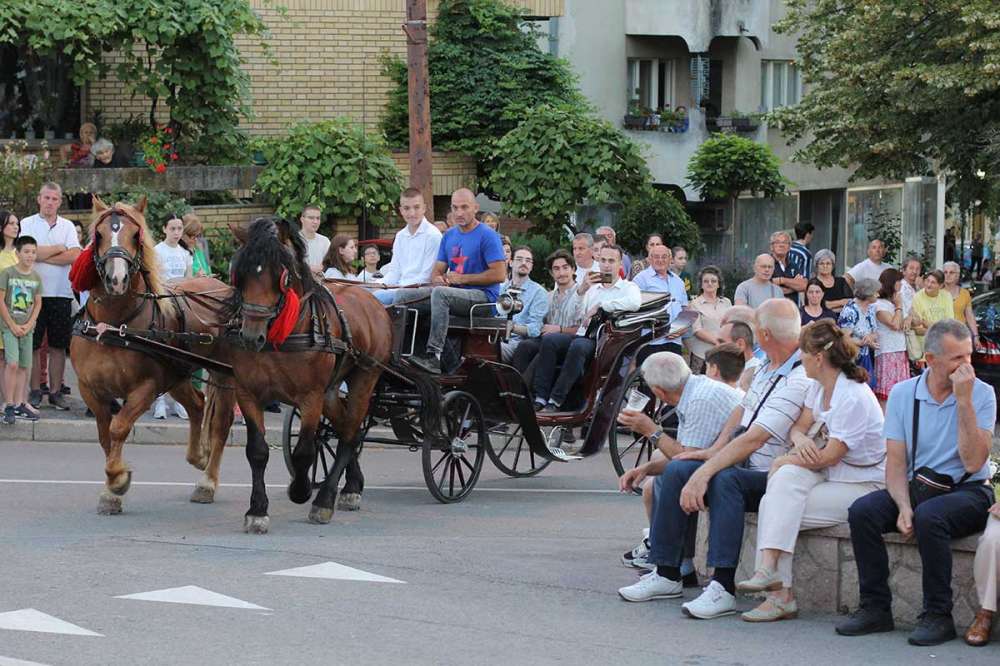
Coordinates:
[452,466]
[326,445]
[629,450]
[510,452]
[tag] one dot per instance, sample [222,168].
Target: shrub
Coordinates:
[21,177]
[656,211]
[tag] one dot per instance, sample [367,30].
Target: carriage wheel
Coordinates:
[511,453]
[629,450]
[326,445]
[452,466]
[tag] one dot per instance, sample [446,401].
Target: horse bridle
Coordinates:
[116,251]
[256,311]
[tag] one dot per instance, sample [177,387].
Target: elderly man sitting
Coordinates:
[702,407]
[730,477]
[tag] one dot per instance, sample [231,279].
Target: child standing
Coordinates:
[20,303]
[175,264]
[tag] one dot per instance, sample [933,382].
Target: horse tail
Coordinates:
[430,398]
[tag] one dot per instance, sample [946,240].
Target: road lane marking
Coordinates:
[187,484]
[7,661]
[29,619]
[335,571]
[193,595]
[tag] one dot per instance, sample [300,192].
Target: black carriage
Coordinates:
[483,407]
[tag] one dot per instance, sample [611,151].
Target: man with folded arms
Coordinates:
[730,477]
[946,416]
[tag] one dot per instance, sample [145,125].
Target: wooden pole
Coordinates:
[421,166]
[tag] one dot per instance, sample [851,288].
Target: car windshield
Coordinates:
[986,308]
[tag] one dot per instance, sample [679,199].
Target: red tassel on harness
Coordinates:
[83,274]
[283,324]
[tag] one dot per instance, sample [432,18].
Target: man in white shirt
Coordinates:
[414,250]
[58,248]
[658,278]
[872,267]
[612,237]
[583,255]
[612,294]
[317,245]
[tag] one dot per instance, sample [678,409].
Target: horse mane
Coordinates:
[265,249]
[150,264]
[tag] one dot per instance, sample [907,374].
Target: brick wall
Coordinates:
[328,54]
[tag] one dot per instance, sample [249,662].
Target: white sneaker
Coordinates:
[640,552]
[652,586]
[713,602]
[160,408]
[180,411]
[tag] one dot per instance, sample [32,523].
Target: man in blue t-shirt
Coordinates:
[470,266]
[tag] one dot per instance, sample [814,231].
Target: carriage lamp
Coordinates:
[509,303]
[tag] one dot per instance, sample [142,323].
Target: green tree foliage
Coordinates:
[160,206]
[181,53]
[899,88]
[486,74]
[656,211]
[21,177]
[727,164]
[558,159]
[333,165]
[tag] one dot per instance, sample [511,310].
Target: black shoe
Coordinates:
[58,402]
[866,621]
[35,398]
[8,415]
[431,364]
[65,390]
[23,412]
[933,629]
[44,388]
[273,407]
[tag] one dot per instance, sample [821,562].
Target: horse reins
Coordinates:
[134,261]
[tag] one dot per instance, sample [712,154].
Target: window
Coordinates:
[651,82]
[37,96]
[780,84]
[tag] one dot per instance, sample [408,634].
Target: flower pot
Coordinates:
[258,158]
[50,134]
[137,159]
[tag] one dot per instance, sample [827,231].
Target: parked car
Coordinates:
[986,359]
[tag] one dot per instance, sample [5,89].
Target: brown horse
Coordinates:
[341,335]
[120,269]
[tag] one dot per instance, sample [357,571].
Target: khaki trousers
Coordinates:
[986,568]
[800,499]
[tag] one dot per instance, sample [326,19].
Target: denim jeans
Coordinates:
[385,296]
[935,523]
[731,493]
[445,301]
[574,352]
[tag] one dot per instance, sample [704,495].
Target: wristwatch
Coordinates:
[655,437]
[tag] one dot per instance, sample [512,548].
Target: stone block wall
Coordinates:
[328,63]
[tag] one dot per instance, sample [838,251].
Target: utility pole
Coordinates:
[421,166]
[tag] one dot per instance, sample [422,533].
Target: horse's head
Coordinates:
[264,272]
[118,236]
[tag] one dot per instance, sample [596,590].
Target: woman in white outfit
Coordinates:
[815,483]
[986,571]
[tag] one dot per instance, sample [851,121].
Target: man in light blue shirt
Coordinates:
[951,435]
[528,322]
[659,278]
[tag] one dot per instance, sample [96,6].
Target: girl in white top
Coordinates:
[892,365]
[340,258]
[815,484]
[370,272]
[175,261]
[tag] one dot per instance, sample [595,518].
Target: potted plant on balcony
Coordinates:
[634,119]
[743,122]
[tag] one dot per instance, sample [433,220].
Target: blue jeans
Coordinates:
[574,352]
[445,301]
[731,493]
[935,523]
[385,296]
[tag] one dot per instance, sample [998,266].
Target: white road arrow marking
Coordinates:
[334,571]
[29,619]
[194,595]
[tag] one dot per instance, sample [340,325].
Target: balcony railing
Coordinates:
[656,123]
[732,124]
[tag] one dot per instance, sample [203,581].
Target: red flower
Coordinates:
[149,161]
[153,139]
[168,130]
[166,146]
[160,168]
[173,156]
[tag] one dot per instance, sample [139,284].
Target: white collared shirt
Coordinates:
[413,255]
[622,296]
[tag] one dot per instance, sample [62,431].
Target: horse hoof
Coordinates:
[349,501]
[122,487]
[256,524]
[204,493]
[300,492]
[109,504]
[320,515]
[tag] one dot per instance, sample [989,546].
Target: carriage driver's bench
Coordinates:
[826,578]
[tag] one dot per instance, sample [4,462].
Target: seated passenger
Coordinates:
[605,291]
[946,416]
[702,406]
[414,249]
[740,334]
[730,477]
[564,308]
[813,487]
[469,269]
[338,264]
[527,324]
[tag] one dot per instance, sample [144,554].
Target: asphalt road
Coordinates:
[522,572]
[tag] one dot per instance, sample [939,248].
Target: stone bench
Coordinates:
[826,577]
